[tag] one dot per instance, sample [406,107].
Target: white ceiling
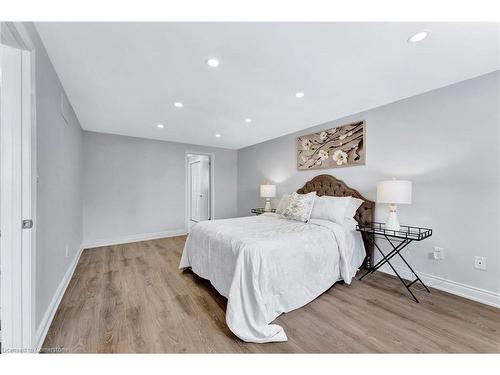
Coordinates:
[123,78]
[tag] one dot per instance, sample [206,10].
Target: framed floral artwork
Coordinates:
[343,146]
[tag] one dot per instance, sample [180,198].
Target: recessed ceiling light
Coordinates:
[217,135]
[178,104]
[213,62]
[248,120]
[160,126]
[299,95]
[418,37]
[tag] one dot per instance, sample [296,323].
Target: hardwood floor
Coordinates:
[133,298]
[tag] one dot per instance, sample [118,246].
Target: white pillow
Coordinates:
[299,207]
[352,207]
[349,223]
[330,208]
[283,203]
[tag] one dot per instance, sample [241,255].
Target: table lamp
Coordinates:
[394,192]
[267,191]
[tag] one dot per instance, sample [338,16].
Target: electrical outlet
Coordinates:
[438,253]
[480,263]
[67,251]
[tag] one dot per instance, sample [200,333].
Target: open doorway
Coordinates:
[199,189]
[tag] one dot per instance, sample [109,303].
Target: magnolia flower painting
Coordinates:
[343,146]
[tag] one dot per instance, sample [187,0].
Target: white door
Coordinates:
[204,198]
[194,168]
[15,199]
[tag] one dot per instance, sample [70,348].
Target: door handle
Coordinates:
[27,224]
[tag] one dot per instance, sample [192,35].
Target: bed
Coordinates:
[266,265]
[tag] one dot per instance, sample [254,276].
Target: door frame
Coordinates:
[18,330]
[211,157]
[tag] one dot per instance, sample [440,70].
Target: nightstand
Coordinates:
[405,236]
[259,211]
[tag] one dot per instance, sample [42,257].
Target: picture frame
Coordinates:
[338,147]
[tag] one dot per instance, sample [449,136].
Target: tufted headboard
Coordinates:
[328,185]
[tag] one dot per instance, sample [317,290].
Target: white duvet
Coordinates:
[266,265]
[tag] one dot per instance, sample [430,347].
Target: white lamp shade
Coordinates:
[267,191]
[394,191]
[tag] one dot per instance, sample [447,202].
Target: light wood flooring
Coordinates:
[133,298]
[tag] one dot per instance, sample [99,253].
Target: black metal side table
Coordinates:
[406,235]
[258,211]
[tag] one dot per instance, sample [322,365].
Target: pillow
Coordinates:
[349,223]
[330,208]
[283,203]
[299,207]
[352,207]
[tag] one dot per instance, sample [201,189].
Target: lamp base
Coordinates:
[267,207]
[392,222]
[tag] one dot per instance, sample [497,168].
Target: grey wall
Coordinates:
[446,141]
[135,186]
[59,194]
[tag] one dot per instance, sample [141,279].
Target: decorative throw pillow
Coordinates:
[352,207]
[283,203]
[330,208]
[299,207]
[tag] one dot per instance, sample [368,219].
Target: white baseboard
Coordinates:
[463,290]
[134,238]
[43,328]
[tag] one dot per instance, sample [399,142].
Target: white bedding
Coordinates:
[266,265]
